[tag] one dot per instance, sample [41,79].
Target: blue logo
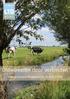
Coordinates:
[9,11]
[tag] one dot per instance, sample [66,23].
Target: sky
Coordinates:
[49,39]
[48,35]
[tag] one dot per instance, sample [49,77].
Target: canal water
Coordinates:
[57,62]
[18,85]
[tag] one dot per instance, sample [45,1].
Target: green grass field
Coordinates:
[45,90]
[24,56]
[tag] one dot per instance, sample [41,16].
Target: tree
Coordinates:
[58,17]
[25,10]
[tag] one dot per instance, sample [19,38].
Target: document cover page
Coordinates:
[34,49]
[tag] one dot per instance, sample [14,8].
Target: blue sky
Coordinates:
[49,39]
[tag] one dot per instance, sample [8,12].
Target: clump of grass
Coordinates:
[46,90]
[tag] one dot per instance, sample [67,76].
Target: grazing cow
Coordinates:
[37,50]
[10,50]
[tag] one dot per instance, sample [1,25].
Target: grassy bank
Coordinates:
[46,90]
[24,56]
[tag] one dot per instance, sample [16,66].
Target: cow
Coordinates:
[10,50]
[37,50]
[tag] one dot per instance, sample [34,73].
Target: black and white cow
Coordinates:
[10,50]
[37,50]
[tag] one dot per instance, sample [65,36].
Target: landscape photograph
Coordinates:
[34,34]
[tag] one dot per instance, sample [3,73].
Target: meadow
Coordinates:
[45,90]
[24,56]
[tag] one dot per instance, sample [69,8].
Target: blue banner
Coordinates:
[9,11]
